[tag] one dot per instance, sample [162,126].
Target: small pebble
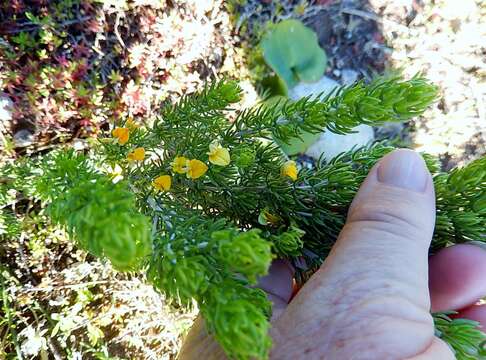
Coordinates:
[349,76]
[23,138]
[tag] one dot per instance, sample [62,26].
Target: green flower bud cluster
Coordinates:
[289,243]
[100,215]
[243,252]
[245,157]
[238,317]
[181,279]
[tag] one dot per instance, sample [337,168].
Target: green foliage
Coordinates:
[9,225]
[99,214]
[238,317]
[24,40]
[292,51]
[245,253]
[103,218]
[212,235]
[182,264]
[289,243]
[385,99]
[461,209]
[464,336]
[48,66]
[11,179]
[7,321]
[197,258]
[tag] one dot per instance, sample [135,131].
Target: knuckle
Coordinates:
[388,215]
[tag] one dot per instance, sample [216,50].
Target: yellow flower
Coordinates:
[162,182]
[137,155]
[131,124]
[180,164]
[122,134]
[289,169]
[196,169]
[218,155]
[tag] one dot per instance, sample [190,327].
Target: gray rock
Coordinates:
[23,138]
[348,76]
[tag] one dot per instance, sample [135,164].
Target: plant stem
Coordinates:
[11,326]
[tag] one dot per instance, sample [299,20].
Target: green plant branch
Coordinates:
[207,238]
[464,336]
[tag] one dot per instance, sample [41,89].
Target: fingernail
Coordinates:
[404,169]
[480,244]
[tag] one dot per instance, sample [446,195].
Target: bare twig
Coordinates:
[371,16]
[117,23]
[362,14]
[74,286]
[53,349]
[37,26]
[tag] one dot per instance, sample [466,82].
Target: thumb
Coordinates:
[370,298]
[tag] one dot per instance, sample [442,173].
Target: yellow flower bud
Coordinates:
[267,218]
[180,165]
[122,134]
[162,182]
[289,169]
[131,124]
[196,169]
[218,155]
[137,155]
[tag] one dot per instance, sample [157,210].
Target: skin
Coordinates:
[372,297]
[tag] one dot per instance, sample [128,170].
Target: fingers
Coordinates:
[476,313]
[389,228]
[198,344]
[457,277]
[384,245]
[278,285]
[437,350]
[371,294]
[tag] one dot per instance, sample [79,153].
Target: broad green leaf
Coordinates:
[292,51]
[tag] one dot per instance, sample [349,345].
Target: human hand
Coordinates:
[372,297]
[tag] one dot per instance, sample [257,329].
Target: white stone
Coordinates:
[329,144]
[249,95]
[460,10]
[325,85]
[5,108]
